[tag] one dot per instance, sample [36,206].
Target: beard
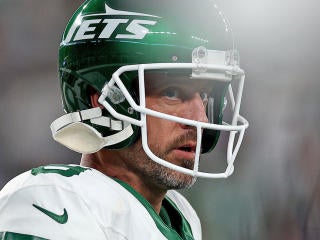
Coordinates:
[156,174]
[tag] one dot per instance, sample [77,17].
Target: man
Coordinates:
[144,85]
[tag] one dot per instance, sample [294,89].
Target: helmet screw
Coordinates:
[130,110]
[174,58]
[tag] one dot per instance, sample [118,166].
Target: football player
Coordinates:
[144,85]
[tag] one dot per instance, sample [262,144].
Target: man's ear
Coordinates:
[94,96]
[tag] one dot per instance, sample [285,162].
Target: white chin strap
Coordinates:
[70,131]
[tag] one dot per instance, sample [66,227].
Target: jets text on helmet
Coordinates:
[101,26]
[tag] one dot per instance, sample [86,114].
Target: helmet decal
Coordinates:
[85,27]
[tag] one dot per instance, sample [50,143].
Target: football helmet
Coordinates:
[109,46]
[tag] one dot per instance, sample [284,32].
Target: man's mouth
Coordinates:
[188,148]
[186,152]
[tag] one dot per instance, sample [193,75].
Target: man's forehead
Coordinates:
[162,79]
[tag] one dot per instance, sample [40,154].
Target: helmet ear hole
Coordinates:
[94,96]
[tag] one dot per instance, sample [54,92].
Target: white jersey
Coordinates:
[73,202]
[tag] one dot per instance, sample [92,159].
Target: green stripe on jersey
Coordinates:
[18,236]
[179,230]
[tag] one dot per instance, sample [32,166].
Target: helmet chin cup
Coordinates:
[80,137]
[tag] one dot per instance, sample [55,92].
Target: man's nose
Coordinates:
[196,109]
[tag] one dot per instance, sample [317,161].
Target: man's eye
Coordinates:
[204,96]
[171,93]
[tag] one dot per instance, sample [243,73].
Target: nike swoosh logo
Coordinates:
[62,219]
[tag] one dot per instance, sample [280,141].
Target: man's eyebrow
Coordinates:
[156,81]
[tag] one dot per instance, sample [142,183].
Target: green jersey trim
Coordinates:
[61,169]
[169,227]
[18,236]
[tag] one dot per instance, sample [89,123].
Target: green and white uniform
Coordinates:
[73,202]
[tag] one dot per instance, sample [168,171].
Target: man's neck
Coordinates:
[116,168]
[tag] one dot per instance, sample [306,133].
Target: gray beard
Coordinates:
[155,173]
[169,178]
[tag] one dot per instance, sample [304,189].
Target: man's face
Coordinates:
[168,140]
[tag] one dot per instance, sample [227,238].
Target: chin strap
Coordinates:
[92,114]
[70,131]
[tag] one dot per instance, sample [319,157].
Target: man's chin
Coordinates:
[186,183]
[177,180]
[173,179]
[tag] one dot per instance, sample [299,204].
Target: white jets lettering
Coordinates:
[84,28]
[87,29]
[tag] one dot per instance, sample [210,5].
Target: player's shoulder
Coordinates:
[63,178]
[91,199]
[89,186]
[55,174]
[54,197]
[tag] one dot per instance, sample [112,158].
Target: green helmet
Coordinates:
[107,43]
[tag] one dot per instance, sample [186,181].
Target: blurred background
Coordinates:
[275,191]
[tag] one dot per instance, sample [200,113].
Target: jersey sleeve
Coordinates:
[44,210]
